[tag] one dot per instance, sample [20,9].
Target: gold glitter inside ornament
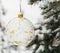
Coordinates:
[20,31]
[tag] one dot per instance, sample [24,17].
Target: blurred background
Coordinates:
[45,17]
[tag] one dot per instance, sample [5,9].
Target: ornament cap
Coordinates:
[20,15]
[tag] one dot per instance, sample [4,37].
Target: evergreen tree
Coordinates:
[51,41]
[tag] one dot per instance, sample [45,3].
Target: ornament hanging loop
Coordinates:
[20,6]
[20,15]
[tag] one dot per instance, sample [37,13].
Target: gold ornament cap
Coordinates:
[20,15]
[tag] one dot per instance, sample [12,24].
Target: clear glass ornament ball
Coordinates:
[20,31]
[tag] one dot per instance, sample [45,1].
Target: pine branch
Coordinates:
[33,1]
[52,9]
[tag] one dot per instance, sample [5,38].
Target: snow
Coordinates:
[31,12]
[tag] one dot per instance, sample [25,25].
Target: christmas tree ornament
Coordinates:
[19,30]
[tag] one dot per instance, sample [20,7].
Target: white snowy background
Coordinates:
[12,8]
[31,12]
